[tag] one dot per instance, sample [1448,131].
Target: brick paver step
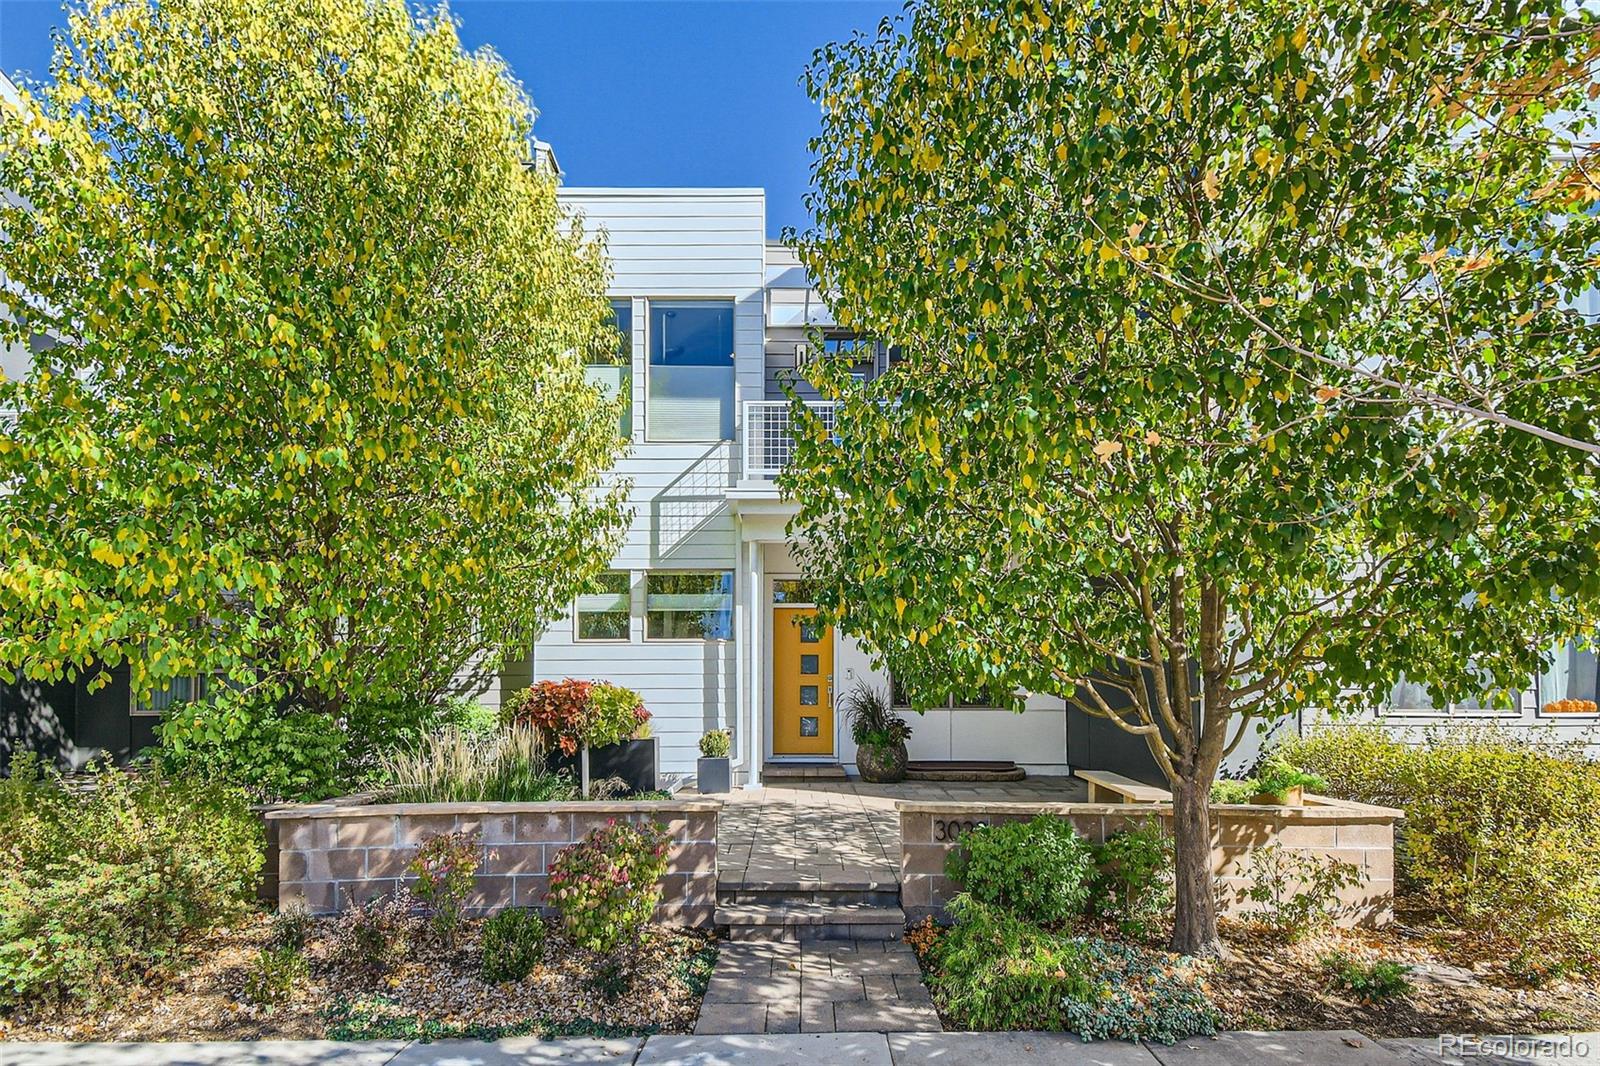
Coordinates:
[822,920]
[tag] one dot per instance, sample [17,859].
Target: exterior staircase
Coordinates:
[790,911]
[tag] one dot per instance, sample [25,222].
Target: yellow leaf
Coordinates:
[1328,392]
[899,607]
[1152,438]
[1430,258]
[1106,449]
[1209,186]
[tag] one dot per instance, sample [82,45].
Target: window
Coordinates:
[1412,698]
[794,590]
[179,690]
[1572,676]
[612,371]
[901,697]
[691,370]
[691,606]
[603,612]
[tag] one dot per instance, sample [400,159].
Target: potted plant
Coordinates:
[880,735]
[711,773]
[1279,783]
[594,721]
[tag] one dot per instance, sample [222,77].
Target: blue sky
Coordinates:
[631,92]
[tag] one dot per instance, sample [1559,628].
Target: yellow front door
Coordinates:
[802,683]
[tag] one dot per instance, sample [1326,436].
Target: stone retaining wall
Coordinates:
[1351,832]
[332,854]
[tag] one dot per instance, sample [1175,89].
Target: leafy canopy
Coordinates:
[1240,364]
[308,407]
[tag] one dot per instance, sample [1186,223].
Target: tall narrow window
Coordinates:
[691,370]
[603,611]
[178,690]
[612,370]
[689,606]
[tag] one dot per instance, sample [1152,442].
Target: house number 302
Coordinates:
[946,830]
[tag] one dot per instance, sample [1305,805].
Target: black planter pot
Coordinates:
[635,761]
[712,776]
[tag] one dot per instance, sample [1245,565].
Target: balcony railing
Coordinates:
[769,435]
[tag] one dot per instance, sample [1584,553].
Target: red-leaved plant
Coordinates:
[606,886]
[559,710]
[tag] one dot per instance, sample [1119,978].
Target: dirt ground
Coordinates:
[436,993]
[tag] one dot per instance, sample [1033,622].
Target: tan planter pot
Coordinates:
[1294,797]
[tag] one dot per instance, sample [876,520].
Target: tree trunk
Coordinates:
[1194,926]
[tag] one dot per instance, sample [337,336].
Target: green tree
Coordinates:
[1240,371]
[310,410]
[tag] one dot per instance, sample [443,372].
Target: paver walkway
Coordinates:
[817,986]
[843,832]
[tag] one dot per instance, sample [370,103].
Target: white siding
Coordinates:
[665,243]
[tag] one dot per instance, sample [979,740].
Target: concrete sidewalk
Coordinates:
[1345,1048]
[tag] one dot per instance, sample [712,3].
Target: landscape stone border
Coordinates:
[333,854]
[1357,833]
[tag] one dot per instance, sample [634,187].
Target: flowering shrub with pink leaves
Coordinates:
[606,886]
[444,867]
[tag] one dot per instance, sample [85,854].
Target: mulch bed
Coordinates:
[1457,986]
[436,993]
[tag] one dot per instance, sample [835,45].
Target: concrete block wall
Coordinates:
[331,855]
[1350,832]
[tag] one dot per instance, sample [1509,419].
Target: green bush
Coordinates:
[273,755]
[377,934]
[273,975]
[1040,869]
[1498,833]
[994,971]
[1229,790]
[606,886]
[445,868]
[1368,981]
[104,884]
[513,943]
[1134,886]
[716,744]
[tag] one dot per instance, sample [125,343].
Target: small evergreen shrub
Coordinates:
[102,885]
[1295,891]
[513,944]
[1135,886]
[273,975]
[1369,981]
[716,744]
[606,886]
[445,867]
[1041,870]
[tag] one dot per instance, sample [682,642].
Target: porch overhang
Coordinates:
[763,514]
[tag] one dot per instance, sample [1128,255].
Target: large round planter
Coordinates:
[881,764]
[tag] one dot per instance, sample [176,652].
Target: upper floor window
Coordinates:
[612,371]
[691,370]
[603,612]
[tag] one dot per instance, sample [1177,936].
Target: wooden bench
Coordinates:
[1107,787]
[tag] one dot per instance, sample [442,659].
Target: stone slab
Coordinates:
[796,1049]
[1343,1047]
[1013,1049]
[1564,1049]
[519,1051]
[216,1053]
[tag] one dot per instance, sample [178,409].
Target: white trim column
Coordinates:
[755,704]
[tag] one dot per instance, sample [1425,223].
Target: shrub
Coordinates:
[1134,887]
[1275,778]
[513,943]
[995,971]
[1039,869]
[457,766]
[377,934]
[872,717]
[444,868]
[1234,791]
[1296,891]
[716,744]
[294,755]
[291,925]
[992,970]
[606,886]
[103,884]
[273,975]
[1369,981]
[1498,833]
[615,714]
